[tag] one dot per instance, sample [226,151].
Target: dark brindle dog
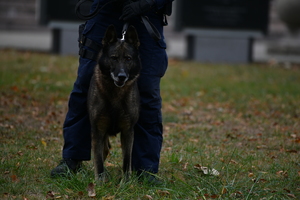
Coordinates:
[113,99]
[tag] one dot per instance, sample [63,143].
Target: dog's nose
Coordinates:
[122,78]
[122,75]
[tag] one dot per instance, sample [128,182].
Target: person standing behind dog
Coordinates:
[148,134]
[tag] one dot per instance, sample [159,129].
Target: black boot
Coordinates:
[65,167]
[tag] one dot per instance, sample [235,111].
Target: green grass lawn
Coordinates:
[241,120]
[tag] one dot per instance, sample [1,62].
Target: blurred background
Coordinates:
[214,31]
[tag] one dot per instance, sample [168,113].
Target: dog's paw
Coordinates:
[102,178]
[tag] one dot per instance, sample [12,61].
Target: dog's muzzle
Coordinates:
[120,79]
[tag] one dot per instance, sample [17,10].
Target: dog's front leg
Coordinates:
[100,150]
[127,144]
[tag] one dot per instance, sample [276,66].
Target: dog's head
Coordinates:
[120,58]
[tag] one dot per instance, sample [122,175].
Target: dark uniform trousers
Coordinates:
[148,131]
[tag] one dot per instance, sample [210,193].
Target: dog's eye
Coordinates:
[128,58]
[114,58]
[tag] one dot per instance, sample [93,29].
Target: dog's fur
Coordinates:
[113,99]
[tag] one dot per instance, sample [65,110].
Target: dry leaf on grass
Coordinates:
[163,192]
[91,190]
[282,173]
[185,166]
[108,164]
[206,170]
[292,196]
[44,142]
[224,190]
[147,197]
[80,193]
[14,178]
[108,198]
[50,195]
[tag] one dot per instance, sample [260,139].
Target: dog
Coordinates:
[113,97]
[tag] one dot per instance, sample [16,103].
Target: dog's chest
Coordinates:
[115,116]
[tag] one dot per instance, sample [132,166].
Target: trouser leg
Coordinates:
[148,130]
[76,127]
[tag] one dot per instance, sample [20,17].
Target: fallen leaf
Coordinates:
[185,166]
[263,180]
[206,170]
[91,190]
[170,108]
[292,196]
[259,180]
[233,162]
[297,140]
[147,197]
[108,198]
[168,148]
[80,193]
[197,166]
[163,193]
[14,178]
[291,151]
[237,194]
[214,196]
[282,173]
[224,190]
[194,140]
[50,195]
[108,164]
[14,88]
[44,143]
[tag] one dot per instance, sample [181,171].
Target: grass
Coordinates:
[241,120]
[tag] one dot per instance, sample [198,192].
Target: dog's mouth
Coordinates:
[119,80]
[120,83]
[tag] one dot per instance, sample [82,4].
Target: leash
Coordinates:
[151,28]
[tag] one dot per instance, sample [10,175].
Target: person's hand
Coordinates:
[136,8]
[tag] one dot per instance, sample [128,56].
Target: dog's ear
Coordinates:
[110,36]
[131,37]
